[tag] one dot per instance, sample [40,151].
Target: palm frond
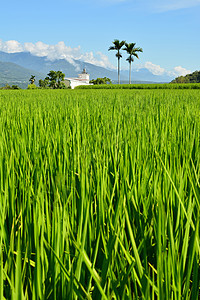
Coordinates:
[135,54]
[118,55]
[111,48]
[130,59]
[139,49]
[121,44]
[117,45]
[129,47]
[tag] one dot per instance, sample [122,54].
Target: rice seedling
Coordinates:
[143,86]
[99,194]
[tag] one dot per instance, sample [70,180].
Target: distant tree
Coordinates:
[52,77]
[181,79]
[32,79]
[117,45]
[8,87]
[15,87]
[32,86]
[189,78]
[56,79]
[132,51]
[103,80]
[60,79]
[44,83]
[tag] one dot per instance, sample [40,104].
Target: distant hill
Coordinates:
[14,74]
[135,82]
[44,65]
[189,78]
[144,75]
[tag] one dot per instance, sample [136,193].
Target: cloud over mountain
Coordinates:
[179,71]
[11,46]
[72,55]
[158,70]
[58,51]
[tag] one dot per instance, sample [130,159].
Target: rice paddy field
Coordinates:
[100,194]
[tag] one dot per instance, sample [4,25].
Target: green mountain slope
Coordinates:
[11,73]
[44,65]
[189,78]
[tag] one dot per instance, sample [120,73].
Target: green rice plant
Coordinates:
[100,194]
[142,86]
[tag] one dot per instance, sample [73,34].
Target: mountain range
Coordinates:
[13,74]
[16,68]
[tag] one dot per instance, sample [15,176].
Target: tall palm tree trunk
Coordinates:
[117,46]
[132,51]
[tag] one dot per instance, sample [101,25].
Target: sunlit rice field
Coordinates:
[100,194]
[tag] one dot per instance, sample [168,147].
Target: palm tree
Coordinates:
[132,51]
[32,79]
[117,45]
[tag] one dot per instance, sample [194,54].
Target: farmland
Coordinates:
[100,194]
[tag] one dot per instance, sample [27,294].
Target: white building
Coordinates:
[83,79]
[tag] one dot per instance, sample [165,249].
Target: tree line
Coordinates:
[54,80]
[131,51]
[104,80]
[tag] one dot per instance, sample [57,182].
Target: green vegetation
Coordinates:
[13,74]
[8,87]
[190,78]
[32,79]
[53,80]
[139,86]
[44,83]
[32,86]
[103,80]
[99,194]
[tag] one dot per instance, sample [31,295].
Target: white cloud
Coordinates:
[154,69]
[158,70]
[58,51]
[11,46]
[179,71]
[99,59]
[53,52]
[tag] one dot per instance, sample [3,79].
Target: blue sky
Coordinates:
[168,31]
